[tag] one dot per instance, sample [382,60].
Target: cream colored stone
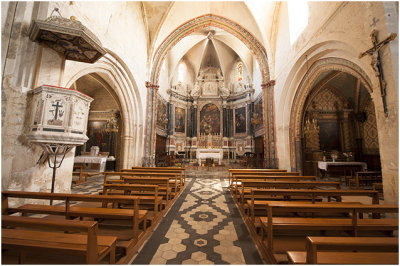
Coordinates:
[198,256]
[170,254]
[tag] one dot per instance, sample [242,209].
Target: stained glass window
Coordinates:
[240,71]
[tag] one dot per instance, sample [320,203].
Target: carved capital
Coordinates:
[149,85]
[268,84]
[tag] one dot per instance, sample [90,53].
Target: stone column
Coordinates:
[151,111]
[270,159]
[298,154]
[249,115]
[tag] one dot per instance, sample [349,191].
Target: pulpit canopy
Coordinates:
[68,37]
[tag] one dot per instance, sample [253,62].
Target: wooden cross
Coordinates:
[376,63]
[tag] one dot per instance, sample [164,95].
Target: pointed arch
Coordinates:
[114,75]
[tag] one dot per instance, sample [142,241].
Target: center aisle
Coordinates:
[203,227]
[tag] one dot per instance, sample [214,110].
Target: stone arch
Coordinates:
[304,88]
[244,36]
[116,78]
[205,21]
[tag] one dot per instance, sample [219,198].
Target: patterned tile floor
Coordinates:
[203,227]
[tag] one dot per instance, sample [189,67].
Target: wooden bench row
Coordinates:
[25,234]
[347,250]
[98,210]
[353,223]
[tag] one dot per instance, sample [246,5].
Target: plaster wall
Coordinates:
[19,57]
[329,37]
[27,65]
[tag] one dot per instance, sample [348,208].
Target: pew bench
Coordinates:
[365,179]
[178,170]
[18,233]
[164,185]
[175,179]
[340,250]
[247,185]
[148,193]
[330,220]
[232,175]
[119,177]
[237,182]
[133,216]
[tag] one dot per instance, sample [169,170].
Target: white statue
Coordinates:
[196,90]
[223,91]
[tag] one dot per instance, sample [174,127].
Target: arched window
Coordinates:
[240,71]
[181,72]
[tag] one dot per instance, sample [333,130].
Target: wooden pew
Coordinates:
[365,179]
[163,183]
[238,179]
[173,180]
[267,194]
[232,174]
[173,177]
[88,243]
[340,250]
[81,175]
[180,170]
[352,224]
[260,197]
[135,215]
[245,192]
[148,193]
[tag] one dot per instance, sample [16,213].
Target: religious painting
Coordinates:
[162,119]
[209,119]
[329,135]
[98,136]
[240,120]
[179,120]
[258,115]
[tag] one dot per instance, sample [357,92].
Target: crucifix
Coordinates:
[57,106]
[376,63]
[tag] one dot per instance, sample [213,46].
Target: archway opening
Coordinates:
[338,123]
[104,123]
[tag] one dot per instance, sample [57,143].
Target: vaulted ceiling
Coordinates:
[208,43]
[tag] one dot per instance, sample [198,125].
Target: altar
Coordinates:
[209,153]
[97,163]
[341,168]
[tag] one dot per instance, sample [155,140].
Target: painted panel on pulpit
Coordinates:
[209,119]
[179,120]
[240,120]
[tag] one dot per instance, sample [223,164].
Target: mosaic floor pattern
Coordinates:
[203,227]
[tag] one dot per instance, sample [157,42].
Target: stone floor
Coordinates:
[203,227]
